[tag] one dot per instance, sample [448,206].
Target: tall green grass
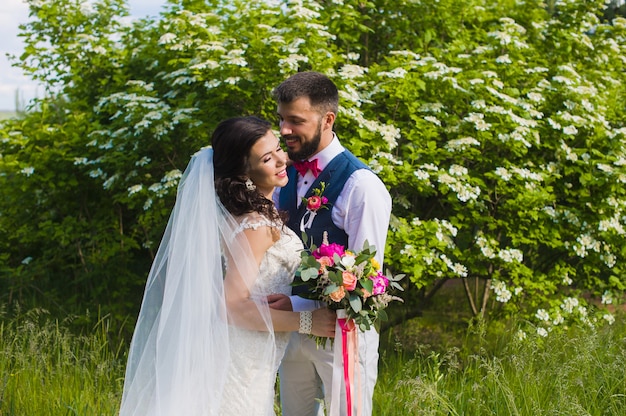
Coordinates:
[47,370]
[581,371]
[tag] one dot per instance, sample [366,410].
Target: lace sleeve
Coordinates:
[254,222]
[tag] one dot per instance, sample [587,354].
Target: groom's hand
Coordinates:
[280,302]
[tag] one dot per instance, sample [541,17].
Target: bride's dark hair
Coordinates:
[232,140]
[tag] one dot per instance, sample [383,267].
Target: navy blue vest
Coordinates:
[334,176]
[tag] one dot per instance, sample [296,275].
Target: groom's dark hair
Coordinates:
[317,87]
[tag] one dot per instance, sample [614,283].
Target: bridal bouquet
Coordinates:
[348,281]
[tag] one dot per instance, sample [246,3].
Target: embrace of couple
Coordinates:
[218,319]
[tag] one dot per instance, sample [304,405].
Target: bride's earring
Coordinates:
[250,185]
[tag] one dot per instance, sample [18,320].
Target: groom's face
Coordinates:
[300,128]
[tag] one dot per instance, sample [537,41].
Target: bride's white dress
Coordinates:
[249,389]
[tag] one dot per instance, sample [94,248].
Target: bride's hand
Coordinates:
[324,322]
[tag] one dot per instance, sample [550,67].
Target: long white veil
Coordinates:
[179,355]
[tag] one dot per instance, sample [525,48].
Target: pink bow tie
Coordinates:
[306,165]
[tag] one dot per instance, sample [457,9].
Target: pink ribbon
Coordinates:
[346,361]
[343,324]
[349,354]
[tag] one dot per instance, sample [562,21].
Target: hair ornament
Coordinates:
[250,185]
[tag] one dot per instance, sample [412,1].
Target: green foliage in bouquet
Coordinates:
[350,281]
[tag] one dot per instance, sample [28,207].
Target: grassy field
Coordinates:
[46,370]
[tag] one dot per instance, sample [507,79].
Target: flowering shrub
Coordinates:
[497,127]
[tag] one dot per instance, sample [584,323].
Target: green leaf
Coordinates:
[308,274]
[367,285]
[355,303]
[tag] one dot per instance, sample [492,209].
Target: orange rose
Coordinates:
[349,280]
[324,262]
[338,294]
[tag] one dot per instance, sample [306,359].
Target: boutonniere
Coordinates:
[313,203]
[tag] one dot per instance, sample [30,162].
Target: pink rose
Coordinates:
[314,203]
[328,250]
[380,283]
[338,294]
[349,280]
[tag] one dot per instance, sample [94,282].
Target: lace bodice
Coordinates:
[250,387]
[281,260]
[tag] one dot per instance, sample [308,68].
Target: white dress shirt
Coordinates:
[362,209]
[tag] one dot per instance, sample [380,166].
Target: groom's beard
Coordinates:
[307,148]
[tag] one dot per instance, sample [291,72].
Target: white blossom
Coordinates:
[558,319]
[554,124]
[510,255]
[570,130]
[460,269]
[503,59]
[466,192]
[167,38]
[292,61]
[134,189]
[478,120]
[503,173]
[301,12]
[352,71]
[562,80]
[107,184]
[408,250]
[457,170]
[96,173]
[503,294]
[395,73]
[433,120]
[569,304]
[431,107]
[27,171]
[542,315]
[461,144]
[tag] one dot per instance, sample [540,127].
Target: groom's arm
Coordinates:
[280,302]
[292,303]
[363,211]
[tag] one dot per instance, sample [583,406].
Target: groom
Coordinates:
[360,207]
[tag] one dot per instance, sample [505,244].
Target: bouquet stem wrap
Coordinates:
[346,364]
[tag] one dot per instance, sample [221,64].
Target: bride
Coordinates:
[206,342]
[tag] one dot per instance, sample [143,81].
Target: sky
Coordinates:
[15,12]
